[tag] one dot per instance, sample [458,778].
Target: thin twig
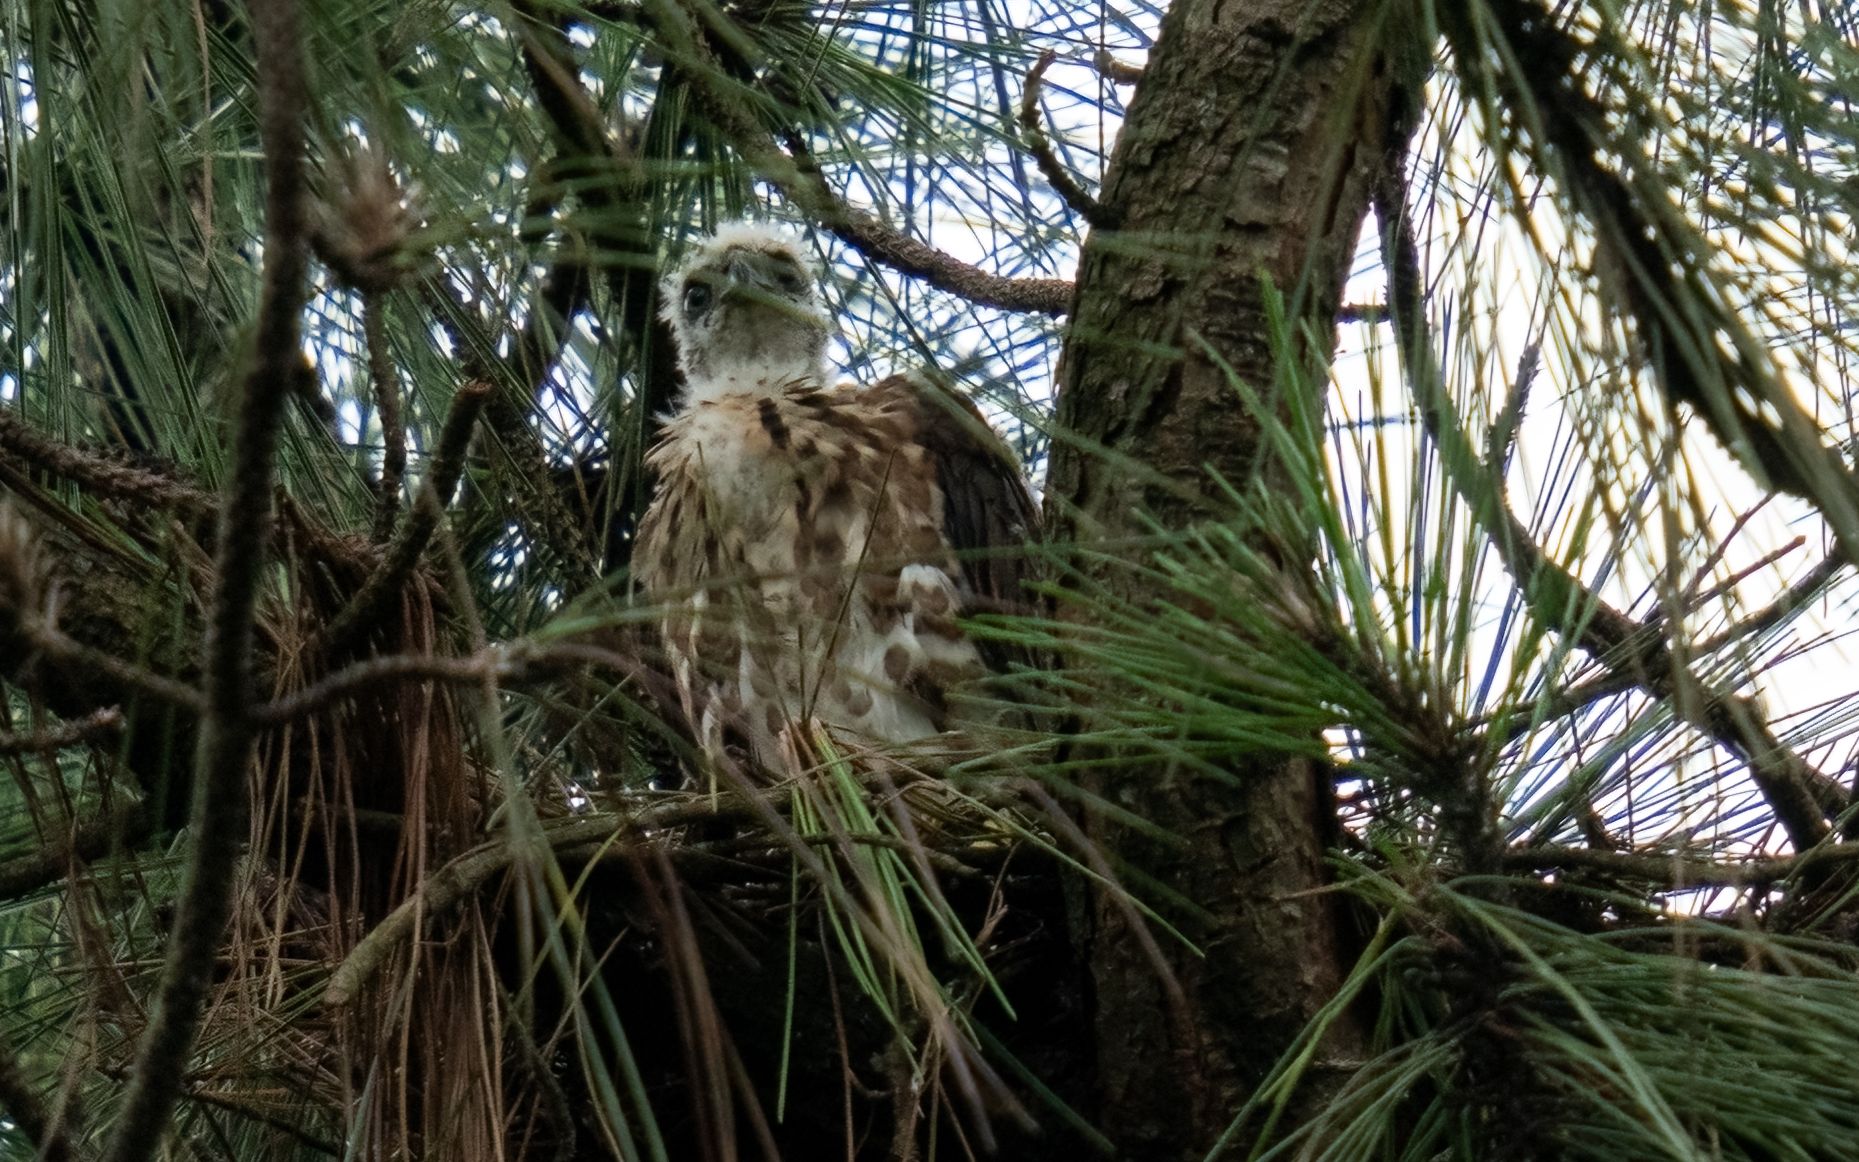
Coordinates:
[1811,585]
[387,401]
[221,793]
[508,664]
[551,1096]
[1722,547]
[1040,146]
[1802,798]
[930,858]
[358,617]
[1808,588]
[1729,584]
[503,663]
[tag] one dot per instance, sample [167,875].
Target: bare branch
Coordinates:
[54,643]
[452,883]
[1040,146]
[221,789]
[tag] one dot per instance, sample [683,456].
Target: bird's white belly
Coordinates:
[750,490]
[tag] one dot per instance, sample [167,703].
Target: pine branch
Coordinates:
[801,181]
[1702,352]
[218,830]
[1802,798]
[620,201]
[106,476]
[621,225]
[98,474]
[1362,313]
[549,523]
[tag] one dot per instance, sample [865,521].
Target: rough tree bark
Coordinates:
[1247,157]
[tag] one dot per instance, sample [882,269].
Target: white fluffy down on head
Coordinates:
[765,237]
[744,307]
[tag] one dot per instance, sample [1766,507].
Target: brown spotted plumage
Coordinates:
[815,546]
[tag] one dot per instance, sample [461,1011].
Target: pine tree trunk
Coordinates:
[1248,156]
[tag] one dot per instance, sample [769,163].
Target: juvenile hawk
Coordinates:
[806,535]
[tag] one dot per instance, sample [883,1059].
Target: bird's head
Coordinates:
[746,313]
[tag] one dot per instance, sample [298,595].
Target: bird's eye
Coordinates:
[697,298]
[790,279]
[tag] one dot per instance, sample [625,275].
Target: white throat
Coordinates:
[757,376]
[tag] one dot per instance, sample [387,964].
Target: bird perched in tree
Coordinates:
[815,543]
